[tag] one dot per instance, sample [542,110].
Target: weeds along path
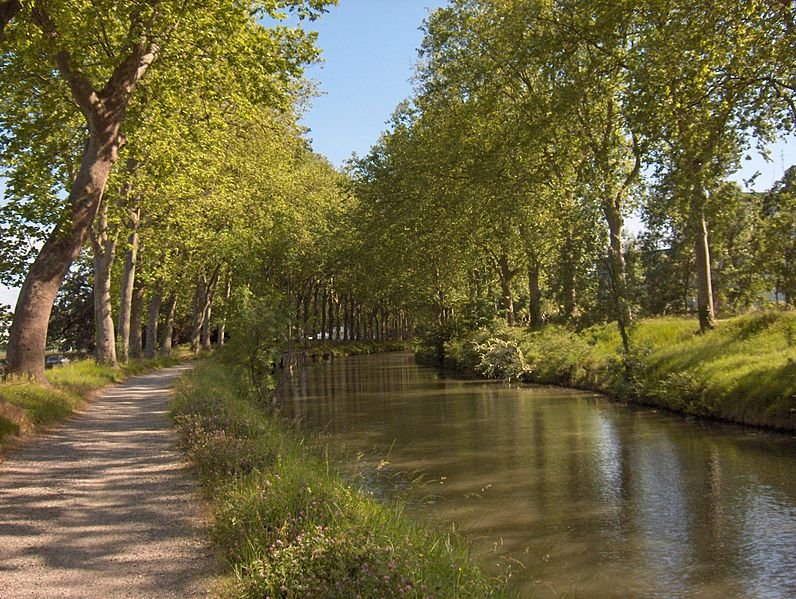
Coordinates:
[104,506]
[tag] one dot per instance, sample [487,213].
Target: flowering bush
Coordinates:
[501,359]
[321,562]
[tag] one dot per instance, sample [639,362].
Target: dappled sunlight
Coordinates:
[104,502]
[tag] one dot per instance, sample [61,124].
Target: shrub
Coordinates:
[501,359]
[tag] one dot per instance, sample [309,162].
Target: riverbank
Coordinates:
[327,349]
[287,525]
[27,406]
[743,371]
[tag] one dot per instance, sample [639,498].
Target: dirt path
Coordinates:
[104,506]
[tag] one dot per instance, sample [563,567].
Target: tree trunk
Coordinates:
[568,278]
[507,300]
[168,327]
[202,302]
[334,330]
[534,291]
[104,112]
[28,333]
[324,299]
[346,319]
[222,326]
[617,270]
[136,314]
[702,259]
[315,306]
[128,279]
[198,314]
[152,323]
[104,246]
[207,331]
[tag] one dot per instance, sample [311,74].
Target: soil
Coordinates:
[105,506]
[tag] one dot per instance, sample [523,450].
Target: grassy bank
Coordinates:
[24,406]
[287,524]
[743,371]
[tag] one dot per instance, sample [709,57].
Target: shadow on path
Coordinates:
[105,506]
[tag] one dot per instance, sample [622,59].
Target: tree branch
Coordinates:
[82,90]
[8,10]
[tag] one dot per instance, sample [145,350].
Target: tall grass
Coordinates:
[743,371]
[288,525]
[25,405]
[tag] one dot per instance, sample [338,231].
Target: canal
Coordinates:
[580,495]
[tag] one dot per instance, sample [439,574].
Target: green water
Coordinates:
[584,497]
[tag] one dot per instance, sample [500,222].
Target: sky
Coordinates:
[369,51]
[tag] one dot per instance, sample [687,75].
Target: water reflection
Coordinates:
[589,496]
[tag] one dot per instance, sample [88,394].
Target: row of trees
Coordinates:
[165,133]
[154,149]
[537,127]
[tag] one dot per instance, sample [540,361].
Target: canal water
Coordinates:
[581,496]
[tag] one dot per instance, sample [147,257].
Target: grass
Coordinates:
[742,371]
[287,524]
[25,406]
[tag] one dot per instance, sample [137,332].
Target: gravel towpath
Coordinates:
[104,506]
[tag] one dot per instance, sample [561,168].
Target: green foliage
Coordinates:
[71,326]
[288,525]
[257,327]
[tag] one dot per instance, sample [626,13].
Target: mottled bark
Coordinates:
[506,274]
[104,246]
[222,326]
[28,333]
[198,314]
[127,282]
[202,301]
[613,215]
[168,325]
[136,316]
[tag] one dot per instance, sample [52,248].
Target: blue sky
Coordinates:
[369,51]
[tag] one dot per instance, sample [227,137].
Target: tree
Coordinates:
[778,237]
[699,91]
